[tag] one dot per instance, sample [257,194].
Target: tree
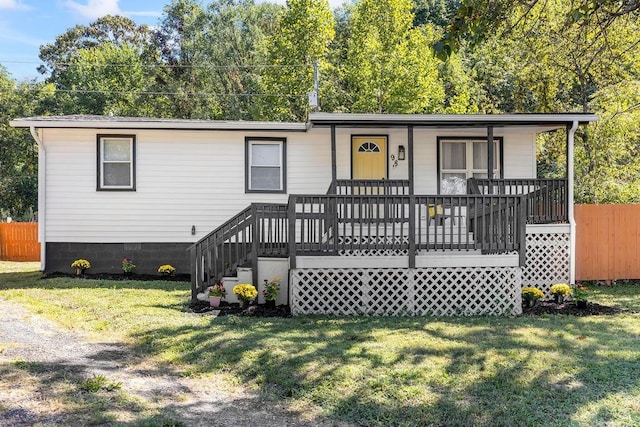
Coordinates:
[233,42]
[389,66]
[435,12]
[305,30]
[18,152]
[107,79]
[476,20]
[575,65]
[607,165]
[177,73]
[116,30]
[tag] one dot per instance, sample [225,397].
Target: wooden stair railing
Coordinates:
[259,230]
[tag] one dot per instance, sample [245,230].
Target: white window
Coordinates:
[116,157]
[462,159]
[266,165]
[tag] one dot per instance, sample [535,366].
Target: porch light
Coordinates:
[401,152]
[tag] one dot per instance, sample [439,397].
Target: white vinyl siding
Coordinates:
[183,179]
[116,169]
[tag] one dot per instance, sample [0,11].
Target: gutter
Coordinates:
[570,197]
[42,219]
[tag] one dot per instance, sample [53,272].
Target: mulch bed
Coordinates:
[202,307]
[115,276]
[569,308]
[226,309]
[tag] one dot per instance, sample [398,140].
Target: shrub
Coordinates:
[127,265]
[580,292]
[271,289]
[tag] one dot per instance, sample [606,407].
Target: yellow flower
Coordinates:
[533,294]
[82,264]
[245,291]
[166,269]
[560,289]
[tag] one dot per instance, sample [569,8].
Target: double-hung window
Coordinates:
[265,165]
[465,158]
[116,162]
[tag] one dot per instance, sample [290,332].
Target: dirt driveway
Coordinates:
[51,376]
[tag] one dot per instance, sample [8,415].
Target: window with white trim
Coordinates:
[265,164]
[116,162]
[461,159]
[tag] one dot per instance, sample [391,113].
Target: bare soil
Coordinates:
[569,308]
[42,367]
[226,309]
[115,276]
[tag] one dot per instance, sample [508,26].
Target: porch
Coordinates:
[376,229]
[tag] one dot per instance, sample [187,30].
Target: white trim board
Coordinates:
[432,260]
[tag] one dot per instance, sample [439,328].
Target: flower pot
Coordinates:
[581,304]
[242,303]
[559,299]
[79,271]
[270,303]
[214,301]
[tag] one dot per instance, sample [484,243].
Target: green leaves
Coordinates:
[389,64]
[305,30]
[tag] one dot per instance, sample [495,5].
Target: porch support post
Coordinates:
[410,149]
[489,156]
[572,221]
[291,214]
[412,203]
[334,172]
[255,241]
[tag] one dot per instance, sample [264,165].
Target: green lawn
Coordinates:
[548,370]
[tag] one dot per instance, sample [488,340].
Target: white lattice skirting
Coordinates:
[547,260]
[407,292]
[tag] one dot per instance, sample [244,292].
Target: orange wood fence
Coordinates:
[607,242]
[19,241]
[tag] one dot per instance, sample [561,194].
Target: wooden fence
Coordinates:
[19,241]
[607,242]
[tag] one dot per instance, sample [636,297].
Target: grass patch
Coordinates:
[98,382]
[553,370]
[59,401]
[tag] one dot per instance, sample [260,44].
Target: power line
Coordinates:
[161,65]
[154,93]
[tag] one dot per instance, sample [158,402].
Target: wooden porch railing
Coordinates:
[260,230]
[546,199]
[373,217]
[393,187]
[335,224]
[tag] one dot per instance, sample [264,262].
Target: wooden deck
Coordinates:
[379,218]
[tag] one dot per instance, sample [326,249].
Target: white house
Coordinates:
[359,213]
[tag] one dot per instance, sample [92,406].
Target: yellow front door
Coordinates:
[369,154]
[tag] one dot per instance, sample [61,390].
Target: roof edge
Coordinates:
[450,119]
[111,122]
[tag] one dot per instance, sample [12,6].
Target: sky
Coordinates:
[25,25]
